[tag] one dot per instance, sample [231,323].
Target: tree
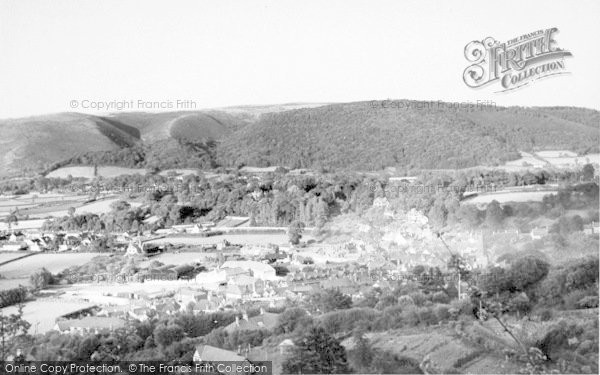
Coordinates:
[290,319]
[11,327]
[331,299]
[588,172]
[40,279]
[11,219]
[317,353]
[494,215]
[166,335]
[295,232]
[361,356]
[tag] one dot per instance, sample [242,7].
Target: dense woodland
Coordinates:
[375,135]
[408,135]
[280,199]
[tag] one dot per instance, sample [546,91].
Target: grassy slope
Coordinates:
[31,143]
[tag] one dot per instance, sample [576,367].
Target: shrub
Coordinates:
[13,296]
[410,316]
[442,312]
[426,316]
[440,297]
[546,315]
[463,306]
[391,318]
[418,298]
[406,301]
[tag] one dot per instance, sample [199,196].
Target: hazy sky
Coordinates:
[222,53]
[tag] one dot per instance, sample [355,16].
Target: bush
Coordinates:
[40,279]
[440,297]
[426,316]
[546,315]
[406,301]
[571,299]
[462,306]
[418,298]
[348,320]
[442,312]
[391,318]
[13,296]
[410,316]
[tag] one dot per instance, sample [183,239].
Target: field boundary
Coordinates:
[18,258]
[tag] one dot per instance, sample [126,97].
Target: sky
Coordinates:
[228,53]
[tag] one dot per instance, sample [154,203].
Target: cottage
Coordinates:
[538,233]
[259,270]
[14,246]
[89,324]
[211,354]
[286,346]
[264,320]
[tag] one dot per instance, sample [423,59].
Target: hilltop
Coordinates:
[33,143]
[352,136]
[372,136]
[43,143]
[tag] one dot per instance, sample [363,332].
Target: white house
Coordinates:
[259,270]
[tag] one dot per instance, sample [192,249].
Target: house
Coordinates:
[168,307]
[212,277]
[139,248]
[592,228]
[187,296]
[234,292]
[259,270]
[265,320]
[89,324]
[36,245]
[216,356]
[538,233]
[285,347]
[248,283]
[140,313]
[381,202]
[196,229]
[14,246]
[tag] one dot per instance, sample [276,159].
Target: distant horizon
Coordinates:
[303,104]
[238,53]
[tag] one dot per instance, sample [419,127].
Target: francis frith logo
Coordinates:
[515,63]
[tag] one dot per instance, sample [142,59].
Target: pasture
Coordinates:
[42,313]
[88,172]
[23,268]
[511,196]
[242,239]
